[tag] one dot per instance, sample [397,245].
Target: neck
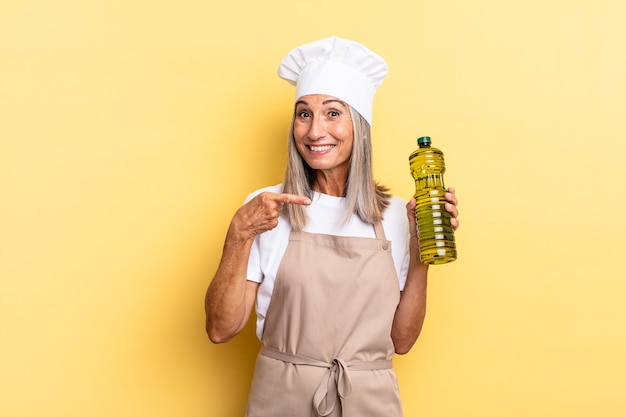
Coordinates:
[333,185]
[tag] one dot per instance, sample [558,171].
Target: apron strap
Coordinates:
[336,383]
[379,231]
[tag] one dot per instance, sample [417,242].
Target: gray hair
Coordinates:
[364,196]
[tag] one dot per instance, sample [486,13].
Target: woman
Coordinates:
[330,258]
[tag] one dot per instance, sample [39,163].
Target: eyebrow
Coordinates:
[331,100]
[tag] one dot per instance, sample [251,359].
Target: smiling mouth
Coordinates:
[321,148]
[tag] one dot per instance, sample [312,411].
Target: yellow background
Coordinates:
[130,132]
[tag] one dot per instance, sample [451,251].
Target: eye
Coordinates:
[334,113]
[303,114]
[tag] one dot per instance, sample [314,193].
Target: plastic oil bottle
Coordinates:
[436,235]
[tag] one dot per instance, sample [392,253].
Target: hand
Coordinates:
[451,207]
[261,213]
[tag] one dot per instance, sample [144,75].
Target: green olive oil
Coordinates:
[436,235]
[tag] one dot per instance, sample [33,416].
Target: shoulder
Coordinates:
[395,218]
[278,188]
[397,206]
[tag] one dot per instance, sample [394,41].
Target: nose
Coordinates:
[317,129]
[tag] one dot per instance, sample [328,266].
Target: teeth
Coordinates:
[321,148]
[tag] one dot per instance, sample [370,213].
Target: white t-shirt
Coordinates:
[325,217]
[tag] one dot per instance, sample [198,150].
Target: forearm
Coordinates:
[230,296]
[227,297]
[411,311]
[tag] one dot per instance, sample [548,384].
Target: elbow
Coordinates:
[218,340]
[216,336]
[402,351]
[404,341]
[402,348]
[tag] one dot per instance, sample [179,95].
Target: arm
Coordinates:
[411,311]
[230,296]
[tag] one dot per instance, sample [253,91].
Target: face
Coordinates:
[323,133]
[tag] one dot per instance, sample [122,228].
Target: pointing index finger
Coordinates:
[294,199]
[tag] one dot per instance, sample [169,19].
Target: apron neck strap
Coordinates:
[379,231]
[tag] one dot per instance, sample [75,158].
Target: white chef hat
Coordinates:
[336,67]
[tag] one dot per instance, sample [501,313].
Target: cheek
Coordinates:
[298,142]
[299,132]
[345,133]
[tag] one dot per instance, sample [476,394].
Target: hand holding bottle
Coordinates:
[451,204]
